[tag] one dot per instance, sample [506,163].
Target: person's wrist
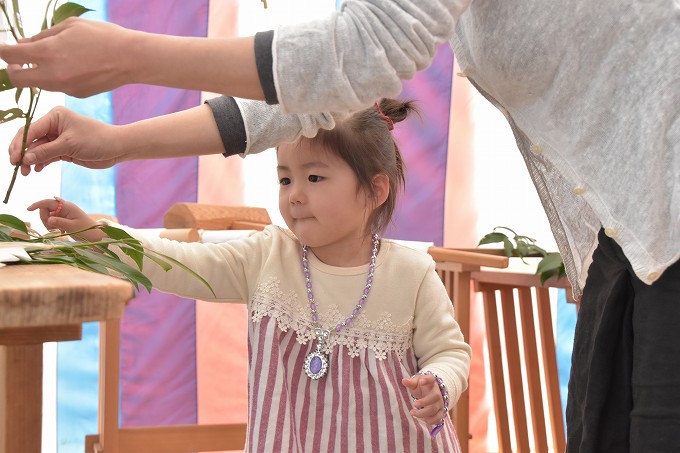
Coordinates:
[132,55]
[445,396]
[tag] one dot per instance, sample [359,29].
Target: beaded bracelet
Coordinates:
[445,394]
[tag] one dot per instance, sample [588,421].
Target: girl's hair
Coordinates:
[364,140]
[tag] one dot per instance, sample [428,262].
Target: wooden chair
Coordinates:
[522,294]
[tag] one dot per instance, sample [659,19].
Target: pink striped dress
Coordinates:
[359,406]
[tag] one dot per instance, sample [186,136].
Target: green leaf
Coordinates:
[11,114]
[17,18]
[129,272]
[121,235]
[136,255]
[17,95]
[4,236]
[492,238]
[551,265]
[182,266]
[67,10]
[13,222]
[551,262]
[506,229]
[545,276]
[47,9]
[163,264]
[5,83]
[104,249]
[508,247]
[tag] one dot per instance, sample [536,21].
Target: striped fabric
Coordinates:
[360,405]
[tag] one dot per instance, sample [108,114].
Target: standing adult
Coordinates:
[590,90]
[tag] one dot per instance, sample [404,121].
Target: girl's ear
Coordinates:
[381,188]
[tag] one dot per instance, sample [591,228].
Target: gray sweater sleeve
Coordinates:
[252,126]
[359,54]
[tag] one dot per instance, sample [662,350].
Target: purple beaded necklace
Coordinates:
[316,363]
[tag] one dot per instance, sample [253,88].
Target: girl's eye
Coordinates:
[315,178]
[284,181]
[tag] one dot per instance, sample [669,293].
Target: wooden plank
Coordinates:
[3,396]
[545,324]
[465,257]
[460,287]
[212,217]
[533,371]
[517,279]
[23,399]
[182,438]
[57,294]
[496,369]
[109,376]
[37,335]
[514,369]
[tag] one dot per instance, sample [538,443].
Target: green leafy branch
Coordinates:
[15,27]
[523,247]
[97,256]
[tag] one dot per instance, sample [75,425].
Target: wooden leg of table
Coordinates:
[3,396]
[23,370]
[109,378]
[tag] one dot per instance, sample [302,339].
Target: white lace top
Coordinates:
[407,325]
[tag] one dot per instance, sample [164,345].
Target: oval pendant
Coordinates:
[316,365]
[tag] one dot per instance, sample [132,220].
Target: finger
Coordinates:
[49,31]
[428,414]
[45,153]
[39,167]
[15,147]
[48,203]
[18,54]
[26,76]
[410,383]
[431,397]
[25,169]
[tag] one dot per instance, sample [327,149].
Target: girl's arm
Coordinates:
[227,267]
[437,340]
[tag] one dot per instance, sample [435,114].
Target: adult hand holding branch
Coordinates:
[68,136]
[82,57]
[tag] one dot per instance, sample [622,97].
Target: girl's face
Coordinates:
[319,199]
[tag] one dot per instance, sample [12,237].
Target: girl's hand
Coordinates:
[67,217]
[428,403]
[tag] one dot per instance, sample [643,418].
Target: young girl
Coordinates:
[353,345]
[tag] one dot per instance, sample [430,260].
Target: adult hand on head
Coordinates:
[79,57]
[65,135]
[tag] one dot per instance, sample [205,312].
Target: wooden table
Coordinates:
[39,304]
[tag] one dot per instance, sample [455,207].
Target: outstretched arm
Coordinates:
[338,63]
[65,135]
[81,57]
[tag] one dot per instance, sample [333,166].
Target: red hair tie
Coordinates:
[390,123]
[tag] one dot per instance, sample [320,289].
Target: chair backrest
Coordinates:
[517,308]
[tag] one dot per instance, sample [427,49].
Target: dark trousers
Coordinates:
[624,389]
